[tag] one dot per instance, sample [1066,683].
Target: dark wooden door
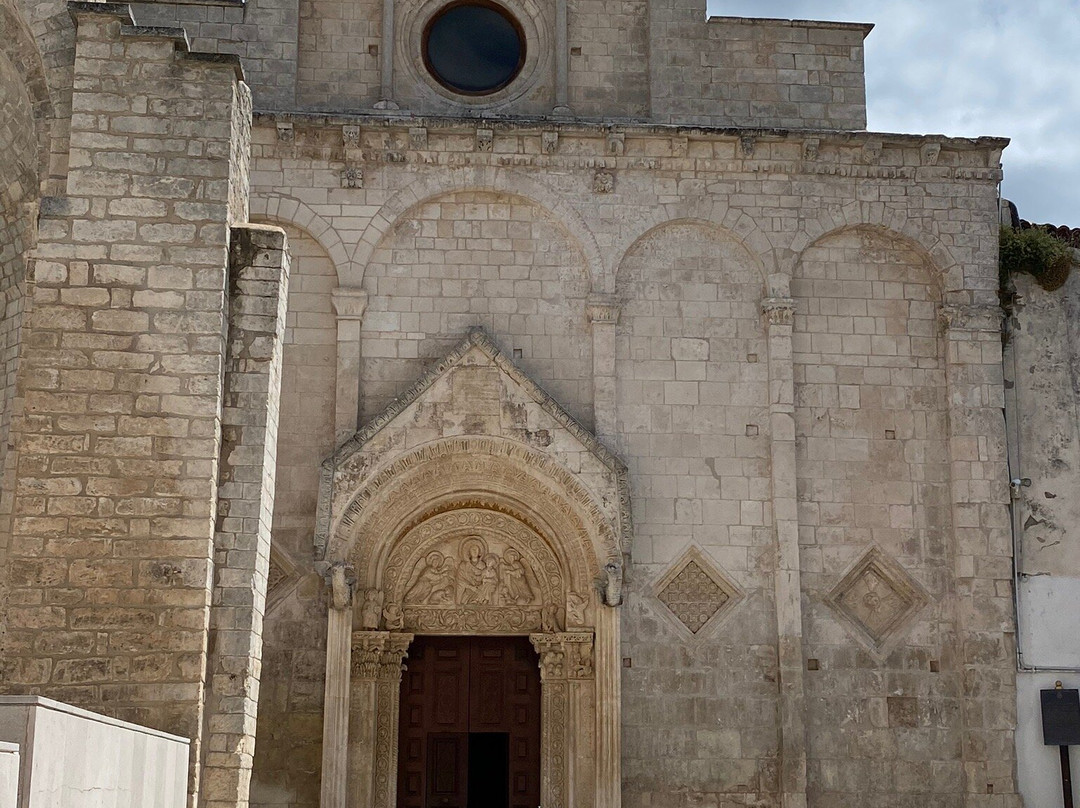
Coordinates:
[470,724]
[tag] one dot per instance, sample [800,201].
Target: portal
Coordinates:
[470,724]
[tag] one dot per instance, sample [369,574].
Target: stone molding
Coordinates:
[476,339]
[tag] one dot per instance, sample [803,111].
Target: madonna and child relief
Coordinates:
[474,569]
[478,578]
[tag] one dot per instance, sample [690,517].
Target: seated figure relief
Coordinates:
[480,577]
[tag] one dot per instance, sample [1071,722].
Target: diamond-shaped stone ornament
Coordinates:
[696,592]
[878,598]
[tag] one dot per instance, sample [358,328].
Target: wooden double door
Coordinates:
[470,724]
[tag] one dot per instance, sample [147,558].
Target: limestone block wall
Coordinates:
[258,287]
[109,569]
[668,246]
[621,59]
[757,73]
[263,32]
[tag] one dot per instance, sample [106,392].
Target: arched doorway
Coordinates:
[472,541]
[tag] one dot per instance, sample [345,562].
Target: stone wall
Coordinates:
[684,238]
[604,61]
[123,350]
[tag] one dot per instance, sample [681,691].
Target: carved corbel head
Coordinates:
[611,584]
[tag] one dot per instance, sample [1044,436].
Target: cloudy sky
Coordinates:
[968,68]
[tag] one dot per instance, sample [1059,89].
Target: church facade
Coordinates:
[453,403]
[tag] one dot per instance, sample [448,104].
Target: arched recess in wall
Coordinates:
[290,706]
[18,45]
[479,178]
[692,367]
[692,376]
[948,272]
[735,224]
[873,481]
[477,257]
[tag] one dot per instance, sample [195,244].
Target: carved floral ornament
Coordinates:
[878,600]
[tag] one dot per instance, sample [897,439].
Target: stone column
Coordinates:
[554,719]
[779,313]
[386,58]
[982,551]
[603,314]
[562,61]
[350,305]
[608,708]
[335,749]
[581,683]
[258,290]
[375,701]
[386,728]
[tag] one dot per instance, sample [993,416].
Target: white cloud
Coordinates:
[969,68]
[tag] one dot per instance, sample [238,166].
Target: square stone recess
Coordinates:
[696,593]
[878,600]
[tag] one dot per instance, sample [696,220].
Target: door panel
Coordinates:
[462,693]
[448,769]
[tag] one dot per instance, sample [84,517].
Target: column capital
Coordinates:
[778,310]
[970,317]
[603,309]
[378,655]
[350,302]
[565,654]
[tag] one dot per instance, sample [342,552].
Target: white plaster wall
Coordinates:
[1039,766]
[73,758]
[1043,392]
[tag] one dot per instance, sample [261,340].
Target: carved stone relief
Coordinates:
[474,570]
[696,592]
[878,599]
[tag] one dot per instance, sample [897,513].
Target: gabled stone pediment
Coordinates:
[475,392]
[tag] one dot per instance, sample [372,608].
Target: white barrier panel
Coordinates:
[72,758]
[9,774]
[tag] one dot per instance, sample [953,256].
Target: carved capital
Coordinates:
[565,655]
[393,656]
[778,310]
[367,653]
[349,302]
[970,317]
[484,139]
[549,141]
[552,656]
[350,136]
[285,132]
[603,310]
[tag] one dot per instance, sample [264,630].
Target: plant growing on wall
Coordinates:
[1038,253]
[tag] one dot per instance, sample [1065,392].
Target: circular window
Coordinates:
[474,48]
